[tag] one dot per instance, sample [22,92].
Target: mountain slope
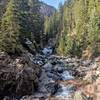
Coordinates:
[46,10]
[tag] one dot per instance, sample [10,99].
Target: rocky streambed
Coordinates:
[51,77]
[64,78]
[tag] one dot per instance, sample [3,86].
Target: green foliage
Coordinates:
[37,20]
[78,27]
[10,29]
[19,22]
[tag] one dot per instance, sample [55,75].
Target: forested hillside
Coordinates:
[22,20]
[76,26]
[46,10]
[48,53]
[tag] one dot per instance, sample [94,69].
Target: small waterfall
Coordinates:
[65,92]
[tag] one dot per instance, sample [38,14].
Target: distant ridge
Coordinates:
[46,9]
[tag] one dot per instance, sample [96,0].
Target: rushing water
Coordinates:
[65,93]
[62,93]
[67,76]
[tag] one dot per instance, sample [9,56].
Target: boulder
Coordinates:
[43,80]
[52,87]
[48,66]
[54,76]
[47,51]
[67,76]
[58,68]
[18,75]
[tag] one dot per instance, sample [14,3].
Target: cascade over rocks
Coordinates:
[47,77]
[62,76]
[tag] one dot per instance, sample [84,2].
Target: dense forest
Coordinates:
[47,52]
[21,20]
[76,25]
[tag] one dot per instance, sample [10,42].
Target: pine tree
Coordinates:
[78,29]
[37,20]
[94,26]
[3,4]
[15,26]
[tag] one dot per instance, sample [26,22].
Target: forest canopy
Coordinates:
[76,25]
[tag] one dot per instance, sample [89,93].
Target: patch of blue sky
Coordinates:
[54,3]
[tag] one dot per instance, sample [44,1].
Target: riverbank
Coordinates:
[42,77]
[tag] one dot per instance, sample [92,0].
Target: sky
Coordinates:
[54,3]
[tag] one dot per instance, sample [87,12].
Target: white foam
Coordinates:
[66,75]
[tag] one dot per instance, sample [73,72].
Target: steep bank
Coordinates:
[50,77]
[18,75]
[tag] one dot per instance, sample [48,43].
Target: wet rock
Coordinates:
[64,93]
[52,88]
[53,60]
[42,98]
[47,51]
[26,76]
[40,95]
[48,67]
[39,60]
[58,68]
[66,75]
[47,82]
[65,90]
[54,76]
[29,98]
[43,80]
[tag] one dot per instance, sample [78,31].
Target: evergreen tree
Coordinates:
[14,26]
[94,26]
[37,20]
[78,29]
